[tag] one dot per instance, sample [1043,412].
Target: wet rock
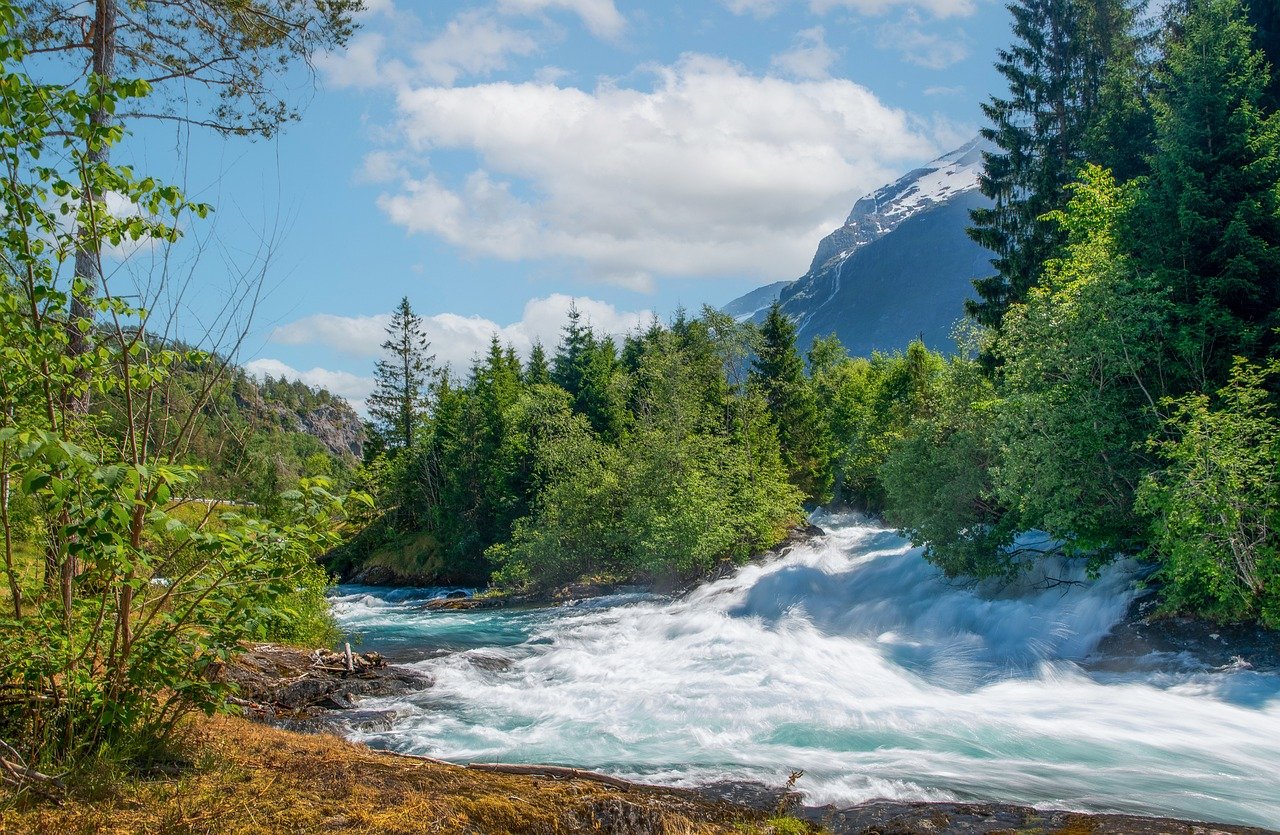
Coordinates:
[339,722]
[581,591]
[1144,632]
[907,818]
[753,795]
[489,663]
[280,682]
[367,721]
[461,604]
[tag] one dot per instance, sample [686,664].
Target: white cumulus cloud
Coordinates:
[758,8]
[932,50]
[473,43]
[455,340]
[809,58]
[938,8]
[600,16]
[712,171]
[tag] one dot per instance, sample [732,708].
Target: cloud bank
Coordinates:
[711,172]
[455,340]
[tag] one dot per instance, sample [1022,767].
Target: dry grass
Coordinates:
[255,779]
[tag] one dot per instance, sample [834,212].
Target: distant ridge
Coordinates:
[900,267]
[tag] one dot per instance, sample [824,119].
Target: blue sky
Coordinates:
[491,160]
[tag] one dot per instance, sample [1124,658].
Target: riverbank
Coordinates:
[674,585]
[232,776]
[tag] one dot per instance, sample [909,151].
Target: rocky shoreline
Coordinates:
[317,690]
[1146,637]
[881,817]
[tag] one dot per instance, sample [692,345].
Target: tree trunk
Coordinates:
[88,272]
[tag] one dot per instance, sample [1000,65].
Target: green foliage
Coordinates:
[134,600]
[537,371]
[866,407]
[1216,506]
[938,477]
[1208,224]
[1132,404]
[678,494]
[1082,374]
[653,460]
[1074,97]
[239,52]
[778,372]
[1264,15]
[398,404]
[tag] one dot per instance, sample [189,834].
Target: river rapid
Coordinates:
[851,659]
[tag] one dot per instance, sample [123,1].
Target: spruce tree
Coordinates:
[1062,73]
[398,404]
[778,374]
[1209,220]
[598,399]
[537,372]
[576,344]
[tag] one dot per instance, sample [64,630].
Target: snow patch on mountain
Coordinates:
[884,210]
[845,276]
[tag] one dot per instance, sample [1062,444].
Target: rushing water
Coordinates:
[854,660]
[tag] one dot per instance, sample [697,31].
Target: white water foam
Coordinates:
[854,660]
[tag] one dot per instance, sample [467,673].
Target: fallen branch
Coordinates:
[14,771]
[554,771]
[418,757]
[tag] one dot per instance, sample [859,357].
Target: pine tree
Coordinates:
[778,373]
[1209,220]
[398,404]
[598,399]
[496,495]
[1061,74]
[576,343]
[537,372]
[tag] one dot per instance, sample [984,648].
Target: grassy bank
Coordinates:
[241,777]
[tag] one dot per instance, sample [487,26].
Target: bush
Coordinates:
[1216,507]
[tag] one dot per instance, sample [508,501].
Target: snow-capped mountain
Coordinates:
[900,267]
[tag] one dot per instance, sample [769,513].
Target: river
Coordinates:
[853,660]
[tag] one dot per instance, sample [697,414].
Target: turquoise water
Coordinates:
[851,659]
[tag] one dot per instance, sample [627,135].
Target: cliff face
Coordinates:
[292,406]
[337,427]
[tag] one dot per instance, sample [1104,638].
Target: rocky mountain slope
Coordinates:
[293,406]
[900,267]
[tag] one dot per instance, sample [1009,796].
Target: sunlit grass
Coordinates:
[233,776]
